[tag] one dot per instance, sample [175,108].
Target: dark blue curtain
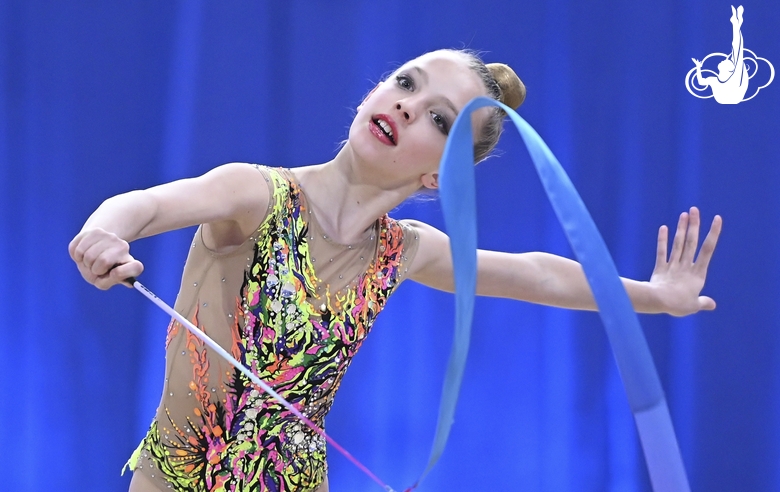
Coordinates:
[98,98]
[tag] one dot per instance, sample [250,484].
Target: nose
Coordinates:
[402,110]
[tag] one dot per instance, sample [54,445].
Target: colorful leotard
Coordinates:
[292,306]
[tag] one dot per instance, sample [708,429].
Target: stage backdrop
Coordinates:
[98,98]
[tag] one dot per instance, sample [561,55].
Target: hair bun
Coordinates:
[512,88]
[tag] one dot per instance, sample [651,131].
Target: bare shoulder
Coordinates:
[251,185]
[231,200]
[424,230]
[433,253]
[238,175]
[247,189]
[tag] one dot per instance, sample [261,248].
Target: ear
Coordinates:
[430,180]
[367,96]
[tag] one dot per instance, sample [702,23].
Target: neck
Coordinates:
[348,197]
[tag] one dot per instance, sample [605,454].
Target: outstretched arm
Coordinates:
[231,200]
[552,280]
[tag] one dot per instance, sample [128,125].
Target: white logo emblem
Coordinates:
[729,84]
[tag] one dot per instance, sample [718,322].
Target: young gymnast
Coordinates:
[290,267]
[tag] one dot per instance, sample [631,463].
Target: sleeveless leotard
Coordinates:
[292,306]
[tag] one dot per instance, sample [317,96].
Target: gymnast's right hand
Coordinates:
[103,258]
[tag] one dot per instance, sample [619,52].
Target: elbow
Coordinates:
[145,207]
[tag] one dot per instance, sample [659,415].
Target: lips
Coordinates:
[383,127]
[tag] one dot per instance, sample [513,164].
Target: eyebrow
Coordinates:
[424,76]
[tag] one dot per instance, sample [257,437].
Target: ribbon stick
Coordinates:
[640,379]
[252,377]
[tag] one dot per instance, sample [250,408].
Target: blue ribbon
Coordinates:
[643,387]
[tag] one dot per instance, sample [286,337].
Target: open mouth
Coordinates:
[386,129]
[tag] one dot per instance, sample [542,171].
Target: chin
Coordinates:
[364,145]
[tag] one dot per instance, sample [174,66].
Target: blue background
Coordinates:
[98,98]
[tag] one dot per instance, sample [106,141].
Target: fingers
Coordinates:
[679,239]
[86,273]
[686,239]
[661,248]
[81,243]
[706,303]
[120,273]
[691,236]
[103,259]
[708,246]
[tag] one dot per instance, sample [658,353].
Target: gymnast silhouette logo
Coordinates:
[729,85]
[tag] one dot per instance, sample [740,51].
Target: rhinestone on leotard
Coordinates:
[301,291]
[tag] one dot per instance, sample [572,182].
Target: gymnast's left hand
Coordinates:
[678,280]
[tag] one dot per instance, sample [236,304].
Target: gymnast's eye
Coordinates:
[405,82]
[441,122]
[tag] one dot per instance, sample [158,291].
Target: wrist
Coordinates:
[647,297]
[657,302]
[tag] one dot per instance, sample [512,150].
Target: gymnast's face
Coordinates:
[401,127]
